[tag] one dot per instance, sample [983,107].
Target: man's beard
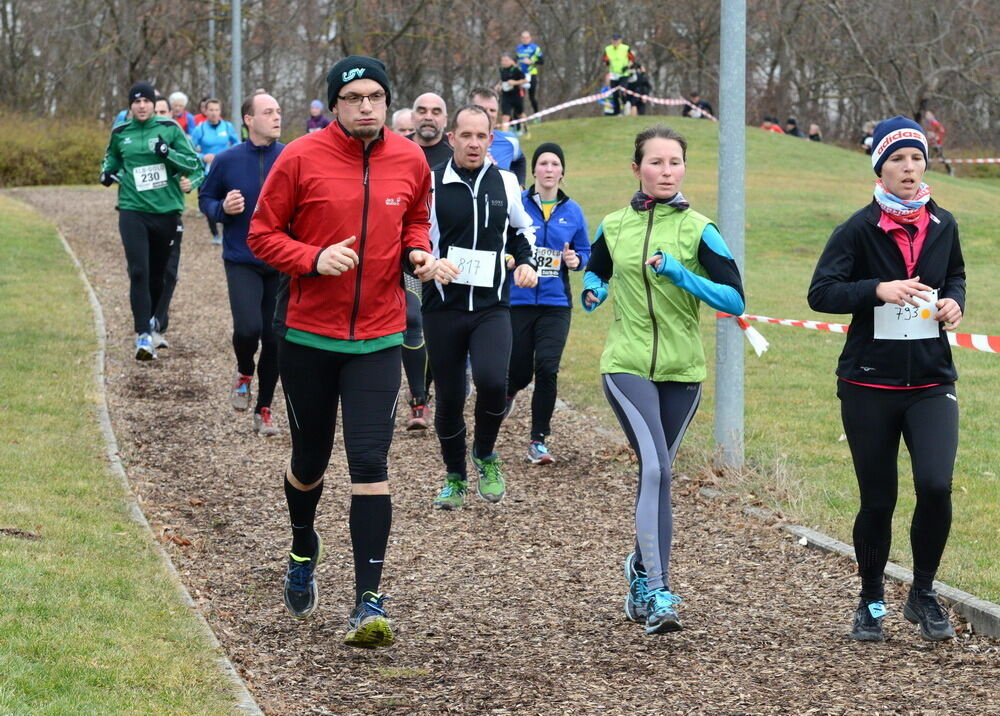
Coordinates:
[365,132]
[428,132]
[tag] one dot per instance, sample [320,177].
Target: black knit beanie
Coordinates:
[141,89]
[548,147]
[356,67]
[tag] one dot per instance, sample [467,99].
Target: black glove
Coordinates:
[161,148]
[107,178]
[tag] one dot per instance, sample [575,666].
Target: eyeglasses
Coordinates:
[355,100]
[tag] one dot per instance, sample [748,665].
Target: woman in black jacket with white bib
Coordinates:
[896,266]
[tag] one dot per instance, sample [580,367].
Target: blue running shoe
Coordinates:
[538,454]
[369,624]
[638,591]
[661,612]
[144,347]
[301,593]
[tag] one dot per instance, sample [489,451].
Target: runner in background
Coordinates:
[511,89]
[209,138]
[201,117]
[342,214]
[505,148]
[228,196]
[178,110]
[402,121]
[161,108]
[540,316]
[662,260]
[617,57]
[638,82]
[317,120]
[430,119]
[896,258]
[529,59]
[147,156]
[476,219]
[935,132]
[700,110]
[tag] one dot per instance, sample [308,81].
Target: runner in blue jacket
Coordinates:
[229,197]
[209,138]
[540,316]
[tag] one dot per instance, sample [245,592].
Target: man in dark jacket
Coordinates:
[477,218]
[228,198]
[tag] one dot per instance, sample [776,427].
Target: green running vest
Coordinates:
[654,333]
[617,59]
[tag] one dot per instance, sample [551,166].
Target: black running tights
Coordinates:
[874,419]
[485,337]
[253,289]
[148,240]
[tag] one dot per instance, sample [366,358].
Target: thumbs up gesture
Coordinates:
[569,257]
[337,258]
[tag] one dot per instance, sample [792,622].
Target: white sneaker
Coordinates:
[159,340]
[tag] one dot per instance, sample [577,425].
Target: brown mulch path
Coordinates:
[514,608]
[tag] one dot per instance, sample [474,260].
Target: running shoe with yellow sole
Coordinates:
[369,625]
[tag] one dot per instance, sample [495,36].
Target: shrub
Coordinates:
[50,151]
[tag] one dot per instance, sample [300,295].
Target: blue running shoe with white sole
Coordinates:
[538,454]
[144,347]
[300,591]
[369,625]
[638,590]
[661,608]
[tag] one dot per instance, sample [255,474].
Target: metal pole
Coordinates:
[732,140]
[211,52]
[237,64]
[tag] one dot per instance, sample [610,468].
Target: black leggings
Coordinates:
[148,240]
[414,350]
[485,337]
[874,419]
[365,385]
[533,93]
[162,312]
[253,289]
[654,416]
[539,337]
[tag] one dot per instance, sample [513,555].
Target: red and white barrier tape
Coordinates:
[669,102]
[602,95]
[975,341]
[572,103]
[981,160]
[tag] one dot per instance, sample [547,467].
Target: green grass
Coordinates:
[90,621]
[797,192]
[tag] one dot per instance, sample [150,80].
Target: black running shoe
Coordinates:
[868,621]
[923,608]
[300,591]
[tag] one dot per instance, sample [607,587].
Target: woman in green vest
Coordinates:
[665,259]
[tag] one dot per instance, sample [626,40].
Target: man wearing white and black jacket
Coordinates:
[477,218]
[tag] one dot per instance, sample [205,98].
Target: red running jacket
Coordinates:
[325,187]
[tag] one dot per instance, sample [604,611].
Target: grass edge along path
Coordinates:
[93,622]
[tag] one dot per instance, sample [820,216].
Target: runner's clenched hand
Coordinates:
[337,258]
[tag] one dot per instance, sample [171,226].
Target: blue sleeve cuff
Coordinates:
[593,282]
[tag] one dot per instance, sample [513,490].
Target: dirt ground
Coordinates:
[509,608]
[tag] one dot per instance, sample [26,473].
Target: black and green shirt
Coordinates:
[147,182]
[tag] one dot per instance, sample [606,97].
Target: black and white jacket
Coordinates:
[486,216]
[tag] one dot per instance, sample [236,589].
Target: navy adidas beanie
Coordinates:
[895,133]
[355,67]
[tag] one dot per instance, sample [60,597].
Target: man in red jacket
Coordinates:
[343,212]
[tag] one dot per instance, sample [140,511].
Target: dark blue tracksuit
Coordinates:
[253,286]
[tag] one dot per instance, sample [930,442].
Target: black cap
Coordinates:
[355,67]
[792,120]
[548,147]
[616,36]
[141,89]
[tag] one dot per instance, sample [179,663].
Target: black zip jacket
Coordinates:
[859,256]
[485,215]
